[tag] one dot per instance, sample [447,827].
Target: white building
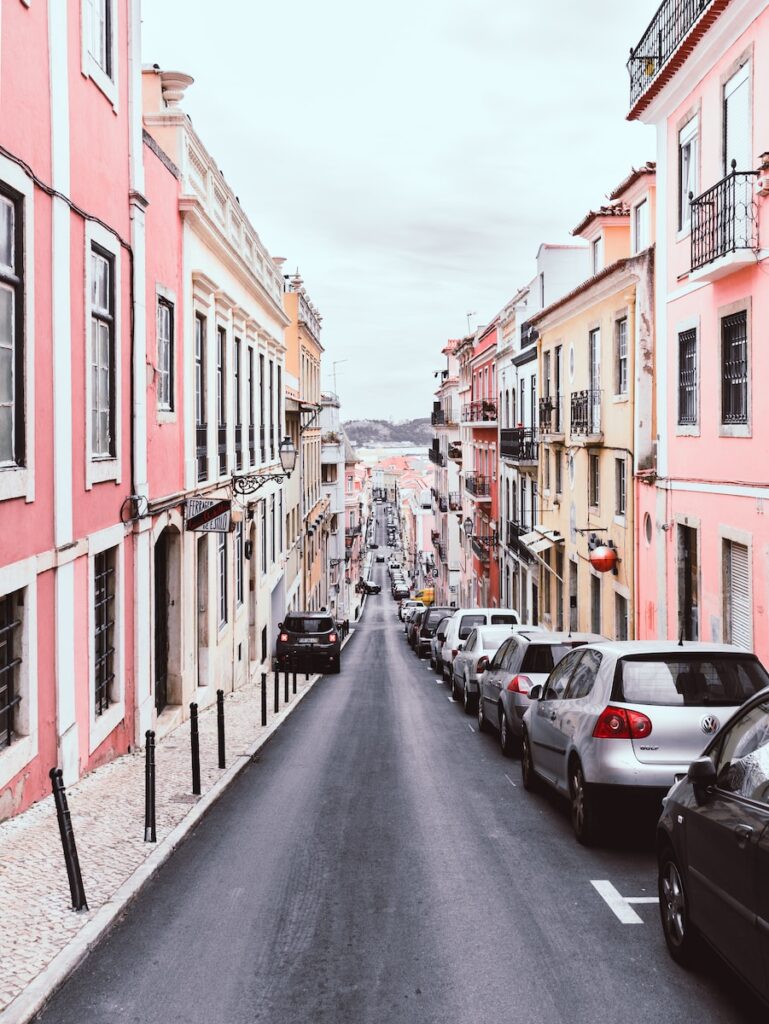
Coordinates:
[332,454]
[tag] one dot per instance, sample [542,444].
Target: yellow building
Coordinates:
[596,428]
[313,519]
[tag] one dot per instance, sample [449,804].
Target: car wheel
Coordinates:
[455,694]
[583,809]
[467,706]
[680,936]
[483,725]
[506,738]
[528,774]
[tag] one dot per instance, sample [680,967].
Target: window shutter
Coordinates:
[738,595]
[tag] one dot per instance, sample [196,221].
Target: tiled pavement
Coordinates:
[107,810]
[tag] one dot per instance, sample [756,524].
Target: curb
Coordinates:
[32,999]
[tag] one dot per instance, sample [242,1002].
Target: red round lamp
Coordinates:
[603,559]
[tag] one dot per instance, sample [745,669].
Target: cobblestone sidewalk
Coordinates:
[107,810]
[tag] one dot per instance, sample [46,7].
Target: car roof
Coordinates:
[624,648]
[485,611]
[539,636]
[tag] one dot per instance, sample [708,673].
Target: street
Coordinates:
[381,862]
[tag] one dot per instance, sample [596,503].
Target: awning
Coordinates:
[540,539]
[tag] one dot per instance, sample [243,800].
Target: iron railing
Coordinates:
[551,414]
[668,28]
[443,417]
[436,456]
[262,444]
[238,447]
[455,501]
[482,548]
[724,218]
[514,532]
[586,412]
[443,504]
[252,445]
[201,450]
[10,626]
[529,334]
[455,452]
[104,627]
[478,485]
[518,444]
[221,436]
[482,411]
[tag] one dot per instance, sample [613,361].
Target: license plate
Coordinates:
[308,640]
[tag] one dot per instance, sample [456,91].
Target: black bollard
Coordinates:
[77,892]
[220,726]
[277,691]
[294,677]
[150,834]
[264,698]
[195,749]
[285,686]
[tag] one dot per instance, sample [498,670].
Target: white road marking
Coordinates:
[470,727]
[438,681]
[510,780]
[621,905]
[451,700]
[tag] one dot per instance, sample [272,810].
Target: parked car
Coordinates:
[472,661]
[371,588]
[405,605]
[713,850]
[308,641]
[409,614]
[412,629]
[629,716]
[436,640]
[380,558]
[427,628]
[463,621]
[521,661]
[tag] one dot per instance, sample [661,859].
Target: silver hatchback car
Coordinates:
[618,717]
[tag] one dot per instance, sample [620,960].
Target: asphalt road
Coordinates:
[381,863]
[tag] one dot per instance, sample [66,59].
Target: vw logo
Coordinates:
[709,724]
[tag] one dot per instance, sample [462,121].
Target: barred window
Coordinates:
[734,368]
[687,377]
[239,562]
[221,554]
[104,629]
[102,354]
[11,333]
[10,661]
[165,354]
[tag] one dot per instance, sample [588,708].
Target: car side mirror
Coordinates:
[460,647]
[280,625]
[702,775]
[535,693]
[483,664]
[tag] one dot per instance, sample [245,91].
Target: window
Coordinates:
[271,397]
[262,447]
[251,409]
[738,616]
[239,562]
[165,354]
[595,604]
[689,680]
[734,368]
[11,332]
[743,761]
[687,377]
[621,356]
[596,251]
[594,481]
[522,403]
[533,402]
[102,355]
[104,629]
[581,682]
[555,687]
[541,291]
[559,591]
[620,486]
[557,459]
[620,617]
[98,28]
[272,529]
[263,524]
[546,583]
[221,397]
[201,427]
[641,225]
[238,406]
[546,470]
[687,172]
[11,607]
[736,122]
[221,558]
[280,522]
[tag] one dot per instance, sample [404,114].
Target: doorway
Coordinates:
[161,621]
[688,590]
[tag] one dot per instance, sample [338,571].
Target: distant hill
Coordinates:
[378,433]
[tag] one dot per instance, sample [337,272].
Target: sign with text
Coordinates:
[208,515]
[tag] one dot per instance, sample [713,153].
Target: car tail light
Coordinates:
[482,664]
[623,724]
[332,638]
[283,638]
[519,684]
[454,653]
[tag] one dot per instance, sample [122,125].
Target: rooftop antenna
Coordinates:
[333,372]
[681,635]
[469,328]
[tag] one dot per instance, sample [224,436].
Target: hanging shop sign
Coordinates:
[208,515]
[603,558]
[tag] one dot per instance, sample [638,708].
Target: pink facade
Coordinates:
[703,512]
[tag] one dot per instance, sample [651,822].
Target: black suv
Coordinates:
[427,628]
[308,641]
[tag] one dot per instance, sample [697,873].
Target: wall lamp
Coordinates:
[248,483]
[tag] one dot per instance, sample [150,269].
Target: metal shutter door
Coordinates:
[739,611]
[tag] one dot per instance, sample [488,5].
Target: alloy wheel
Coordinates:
[578,799]
[673,904]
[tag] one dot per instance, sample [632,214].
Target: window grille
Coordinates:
[734,368]
[687,377]
[10,644]
[104,629]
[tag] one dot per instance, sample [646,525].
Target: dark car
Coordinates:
[308,641]
[371,588]
[713,847]
[427,628]
[412,631]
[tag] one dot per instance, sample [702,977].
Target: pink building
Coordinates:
[69,348]
[703,532]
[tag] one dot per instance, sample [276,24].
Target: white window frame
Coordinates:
[19,481]
[641,208]
[101,468]
[222,582]
[620,517]
[166,414]
[89,66]
[596,254]
[23,576]
[689,134]
[102,725]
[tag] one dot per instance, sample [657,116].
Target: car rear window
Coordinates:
[467,622]
[504,620]
[300,624]
[544,657]
[434,616]
[689,680]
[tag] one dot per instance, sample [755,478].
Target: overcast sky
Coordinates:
[408,156]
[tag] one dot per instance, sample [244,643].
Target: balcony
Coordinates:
[669,27]
[514,532]
[262,446]
[443,505]
[455,452]
[455,501]
[724,234]
[221,436]
[551,415]
[440,550]
[529,334]
[478,486]
[443,417]
[201,450]
[586,414]
[519,445]
[252,445]
[436,456]
[482,413]
[482,548]
[238,447]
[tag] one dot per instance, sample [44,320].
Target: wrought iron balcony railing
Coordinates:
[482,411]
[221,436]
[551,414]
[477,485]
[443,417]
[252,445]
[668,28]
[443,504]
[455,501]
[436,456]
[201,450]
[514,532]
[482,548]
[262,444]
[724,218]
[440,551]
[518,444]
[529,334]
[586,412]
[455,452]
[238,447]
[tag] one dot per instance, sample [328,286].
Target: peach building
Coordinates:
[702,522]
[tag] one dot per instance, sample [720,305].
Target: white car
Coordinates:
[406,606]
[462,623]
[471,662]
